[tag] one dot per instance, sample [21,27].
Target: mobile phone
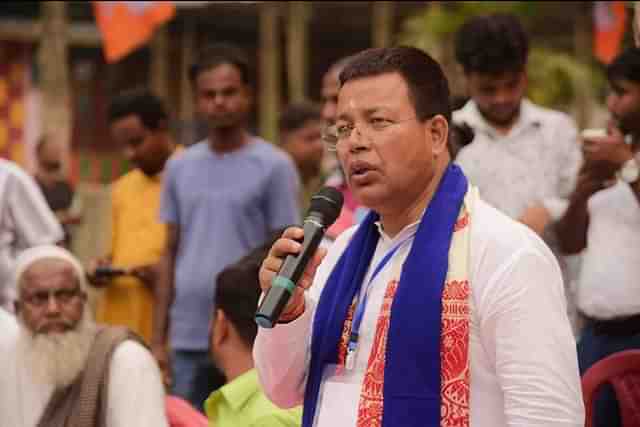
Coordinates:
[109,272]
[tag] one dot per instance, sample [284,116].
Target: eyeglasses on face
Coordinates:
[340,131]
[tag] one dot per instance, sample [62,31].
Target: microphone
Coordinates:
[324,210]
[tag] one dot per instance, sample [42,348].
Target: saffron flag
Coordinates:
[127,25]
[610,18]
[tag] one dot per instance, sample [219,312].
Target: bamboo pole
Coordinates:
[53,62]
[297,48]
[582,45]
[382,23]
[270,81]
[159,68]
[30,31]
[188,56]
[186,109]
[636,23]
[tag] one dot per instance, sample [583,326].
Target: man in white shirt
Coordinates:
[503,353]
[603,222]
[524,158]
[59,366]
[25,221]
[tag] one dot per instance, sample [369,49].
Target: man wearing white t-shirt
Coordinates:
[435,310]
[603,222]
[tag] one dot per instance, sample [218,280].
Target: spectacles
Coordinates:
[333,134]
[41,298]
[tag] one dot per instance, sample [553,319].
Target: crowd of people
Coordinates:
[484,258]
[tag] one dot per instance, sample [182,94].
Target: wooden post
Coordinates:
[636,23]
[30,31]
[297,48]
[582,45]
[186,109]
[54,76]
[188,56]
[270,81]
[382,23]
[159,68]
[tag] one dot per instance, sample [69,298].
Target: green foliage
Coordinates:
[555,78]
[437,23]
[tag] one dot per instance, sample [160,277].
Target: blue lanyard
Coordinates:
[362,303]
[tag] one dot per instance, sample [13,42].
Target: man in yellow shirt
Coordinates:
[139,124]
[241,402]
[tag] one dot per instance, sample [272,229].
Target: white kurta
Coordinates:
[25,221]
[136,394]
[524,369]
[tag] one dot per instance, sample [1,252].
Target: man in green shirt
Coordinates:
[241,402]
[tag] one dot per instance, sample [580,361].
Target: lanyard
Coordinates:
[362,304]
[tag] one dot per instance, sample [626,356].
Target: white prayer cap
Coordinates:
[28,257]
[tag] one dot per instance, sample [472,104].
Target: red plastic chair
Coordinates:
[181,414]
[622,371]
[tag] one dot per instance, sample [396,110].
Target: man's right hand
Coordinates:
[284,246]
[97,281]
[595,176]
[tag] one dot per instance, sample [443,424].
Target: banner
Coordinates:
[128,25]
[609,19]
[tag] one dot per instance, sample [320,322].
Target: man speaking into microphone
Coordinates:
[436,310]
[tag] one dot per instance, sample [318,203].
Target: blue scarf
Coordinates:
[412,369]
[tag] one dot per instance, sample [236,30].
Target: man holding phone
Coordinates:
[139,125]
[603,223]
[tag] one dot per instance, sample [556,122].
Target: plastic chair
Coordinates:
[622,371]
[181,414]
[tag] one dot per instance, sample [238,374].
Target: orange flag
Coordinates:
[127,25]
[609,18]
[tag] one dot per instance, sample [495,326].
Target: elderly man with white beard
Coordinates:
[60,367]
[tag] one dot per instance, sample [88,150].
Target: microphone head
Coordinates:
[326,203]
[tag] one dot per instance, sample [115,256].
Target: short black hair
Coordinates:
[141,102]
[295,116]
[218,54]
[238,290]
[428,86]
[625,66]
[492,44]
[340,63]
[460,135]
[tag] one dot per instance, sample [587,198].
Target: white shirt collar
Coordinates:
[529,117]
[407,231]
